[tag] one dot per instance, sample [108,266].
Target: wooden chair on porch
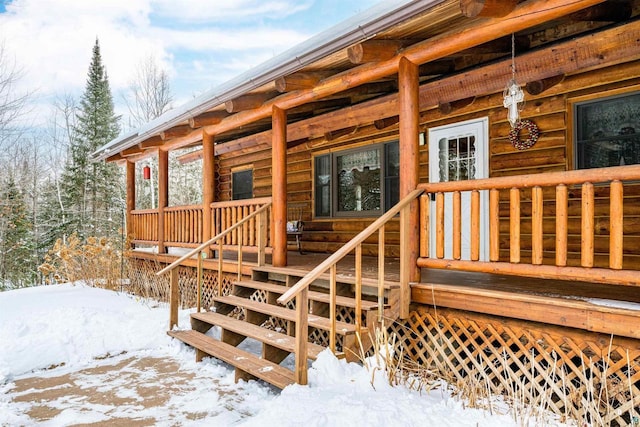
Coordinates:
[295,226]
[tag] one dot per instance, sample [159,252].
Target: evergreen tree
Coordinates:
[17,260]
[93,192]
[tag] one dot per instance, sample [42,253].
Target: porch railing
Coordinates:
[259,217]
[183,225]
[301,289]
[144,225]
[551,220]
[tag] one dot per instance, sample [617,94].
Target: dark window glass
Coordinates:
[323,185]
[391,175]
[358,181]
[242,185]
[608,132]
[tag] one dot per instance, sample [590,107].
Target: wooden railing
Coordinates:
[569,203]
[259,217]
[300,289]
[183,225]
[144,225]
[225,214]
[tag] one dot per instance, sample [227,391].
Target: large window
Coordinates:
[359,182]
[242,184]
[607,132]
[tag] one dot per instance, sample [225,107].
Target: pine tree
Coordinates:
[17,263]
[93,192]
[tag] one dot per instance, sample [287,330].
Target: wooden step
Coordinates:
[348,279]
[313,295]
[317,322]
[243,361]
[267,336]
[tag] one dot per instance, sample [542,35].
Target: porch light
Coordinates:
[513,94]
[146,172]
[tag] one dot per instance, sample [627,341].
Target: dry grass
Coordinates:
[98,261]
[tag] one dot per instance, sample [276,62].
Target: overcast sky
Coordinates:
[200,43]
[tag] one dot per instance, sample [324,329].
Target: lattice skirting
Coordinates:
[589,377]
[144,282]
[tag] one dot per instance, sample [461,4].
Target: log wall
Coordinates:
[550,110]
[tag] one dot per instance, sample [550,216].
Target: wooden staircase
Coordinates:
[251,311]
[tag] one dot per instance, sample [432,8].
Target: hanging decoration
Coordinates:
[514,134]
[146,172]
[513,94]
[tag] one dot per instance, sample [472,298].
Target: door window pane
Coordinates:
[457,158]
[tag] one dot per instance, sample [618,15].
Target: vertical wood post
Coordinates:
[457,225]
[616,209]
[302,335]
[208,186]
[163,195]
[409,116]
[424,225]
[562,220]
[588,224]
[279,186]
[537,216]
[514,225]
[131,197]
[174,297]
[494,225]
[475,225]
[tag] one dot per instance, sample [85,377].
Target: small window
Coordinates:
[242,184]
[607,132]
[359,182]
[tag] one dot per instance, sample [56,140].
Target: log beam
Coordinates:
[386,122]
[132,151]
[373,51]
[435,68]
[191,157]
[131,197]
[208,188]
[163,196]
[487,8]
[536,87]
[332,135]
[246,102]
[153,142]
[449,107]
[208,118]
[279,187]
[611,11]
[174,132]
[409,113]
[301,80]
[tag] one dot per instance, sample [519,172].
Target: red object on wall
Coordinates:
[146,172]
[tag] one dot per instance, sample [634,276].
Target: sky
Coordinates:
[199,43]
[69,362]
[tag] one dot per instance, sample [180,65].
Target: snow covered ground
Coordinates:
[74,354]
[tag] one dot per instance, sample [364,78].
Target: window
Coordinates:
[242,184]
[360,182]
[607,132]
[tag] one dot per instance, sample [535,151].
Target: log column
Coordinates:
[408,100]
[163,195]
[279,186]
[131,196]
[208,186]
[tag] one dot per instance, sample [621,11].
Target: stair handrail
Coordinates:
[174,289]
[300,289]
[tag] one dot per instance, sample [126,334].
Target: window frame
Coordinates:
[574,104]
[333,181]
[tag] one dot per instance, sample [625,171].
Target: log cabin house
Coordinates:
[493,250]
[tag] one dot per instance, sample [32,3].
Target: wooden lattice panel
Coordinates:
[586,376]
[145,282]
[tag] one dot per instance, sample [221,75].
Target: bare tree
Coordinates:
[149,92]
[12,105]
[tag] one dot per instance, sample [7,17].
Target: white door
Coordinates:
[459,152]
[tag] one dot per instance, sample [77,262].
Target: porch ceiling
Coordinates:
[440,19]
